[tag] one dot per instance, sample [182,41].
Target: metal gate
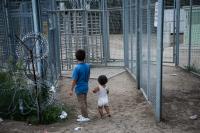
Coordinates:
[79,27]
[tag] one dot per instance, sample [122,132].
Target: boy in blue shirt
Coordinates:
[80,78]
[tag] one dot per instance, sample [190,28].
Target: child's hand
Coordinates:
[94,91]
[107,91]
[70,93]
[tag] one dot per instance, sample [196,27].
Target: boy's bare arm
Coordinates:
[72,87]
[95,90]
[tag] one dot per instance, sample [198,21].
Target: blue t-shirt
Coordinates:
[81,74]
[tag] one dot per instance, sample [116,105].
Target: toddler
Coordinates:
[102,91]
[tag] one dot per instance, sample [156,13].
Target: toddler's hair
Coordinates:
[80,55]
[102,79]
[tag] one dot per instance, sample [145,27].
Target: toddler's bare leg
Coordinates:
[100,109]
[107,110]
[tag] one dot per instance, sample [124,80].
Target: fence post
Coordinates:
[131,36]
[159,59]
[148,45]
[105,30]
[177,30]
[138,43]
[125,31]
[174,30]
[37,28]
[190,35]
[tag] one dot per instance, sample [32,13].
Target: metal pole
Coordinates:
[36,23]
[108,31]
[125,31]
[159,59]
[85,32]
[174,30]
[138,43]
[131,33]
[149,45]
[190,35]
[58,41]
[8,27]
[177,30]
[105,31]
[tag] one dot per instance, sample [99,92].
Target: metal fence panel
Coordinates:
[189,49]
[132,36]
[145,47]
[17,20]
[4,47]
[79,27]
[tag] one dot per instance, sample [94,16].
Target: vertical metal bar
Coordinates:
[37,28]
[56,40]
[60,41]
[50,32]
[149,46]
[61,36]
[190,35]
[138,42]
[125,31]
[85,31]
[108,33]
[159,59]
[174,30]
[7,25]
[57,23]
[105,31]
[177,30]
[91,33]
[131,33]
[65,47]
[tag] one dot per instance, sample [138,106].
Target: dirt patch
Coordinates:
[130,112]
[181,96]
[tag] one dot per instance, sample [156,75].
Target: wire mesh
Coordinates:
[142,37]
[169,32]
[79,27]
[17,20]
[153,55]
[4,47]
[144,46]
[132,36]
[116,47]
[189,50]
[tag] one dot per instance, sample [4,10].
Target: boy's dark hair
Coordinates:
[102,79]
[80,55]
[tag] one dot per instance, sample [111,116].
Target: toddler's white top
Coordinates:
[102,96]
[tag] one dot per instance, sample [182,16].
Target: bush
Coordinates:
[6,92]
[18,97]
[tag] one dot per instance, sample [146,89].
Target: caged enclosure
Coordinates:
[39,39]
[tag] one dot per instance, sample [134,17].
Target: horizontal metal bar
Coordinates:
[68,10]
